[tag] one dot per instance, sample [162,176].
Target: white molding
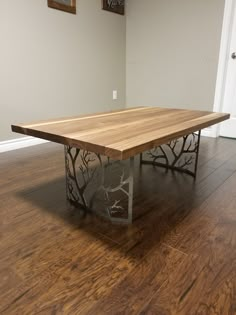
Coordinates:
[19,143]
[222,64]
[209,132]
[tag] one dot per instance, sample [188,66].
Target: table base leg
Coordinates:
[180,154]
[97,183]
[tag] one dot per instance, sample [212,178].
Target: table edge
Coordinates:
[111,152]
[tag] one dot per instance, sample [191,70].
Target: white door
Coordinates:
[228,128]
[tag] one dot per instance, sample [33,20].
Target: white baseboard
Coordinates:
[19,143]
[209,132]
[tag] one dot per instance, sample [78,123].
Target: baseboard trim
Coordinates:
[20,143]
[209,132]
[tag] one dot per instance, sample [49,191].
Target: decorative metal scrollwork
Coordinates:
[180,154]
[95,182]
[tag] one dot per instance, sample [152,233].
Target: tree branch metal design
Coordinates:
[180,154]
[87,179]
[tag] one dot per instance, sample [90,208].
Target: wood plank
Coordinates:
[125,133]
[201,284]
[81,117]
[130,295]
[135,146]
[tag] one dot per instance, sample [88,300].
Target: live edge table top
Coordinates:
[124,133]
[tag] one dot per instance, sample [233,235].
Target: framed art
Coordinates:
[64,5]
[115,6]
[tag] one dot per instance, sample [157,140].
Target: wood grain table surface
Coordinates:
[123,133]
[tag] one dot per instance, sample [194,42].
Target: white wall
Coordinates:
[55,64]
[172,52]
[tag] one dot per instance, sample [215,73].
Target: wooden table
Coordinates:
[100,150]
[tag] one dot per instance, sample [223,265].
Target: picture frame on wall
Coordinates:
[115,6]
[63,5]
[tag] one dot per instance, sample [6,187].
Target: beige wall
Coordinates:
[172,52]
[55,64]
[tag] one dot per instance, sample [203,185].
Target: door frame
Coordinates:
[223,60]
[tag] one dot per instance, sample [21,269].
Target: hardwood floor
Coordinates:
[178,257]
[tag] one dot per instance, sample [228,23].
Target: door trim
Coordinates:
[222,63]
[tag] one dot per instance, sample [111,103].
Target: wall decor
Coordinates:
[115,6]
[64,5]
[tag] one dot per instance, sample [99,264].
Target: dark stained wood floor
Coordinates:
[178,257]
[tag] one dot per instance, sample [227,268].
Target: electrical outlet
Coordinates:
[114,95]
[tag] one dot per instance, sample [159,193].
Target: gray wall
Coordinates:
[55,64]
[172,52]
